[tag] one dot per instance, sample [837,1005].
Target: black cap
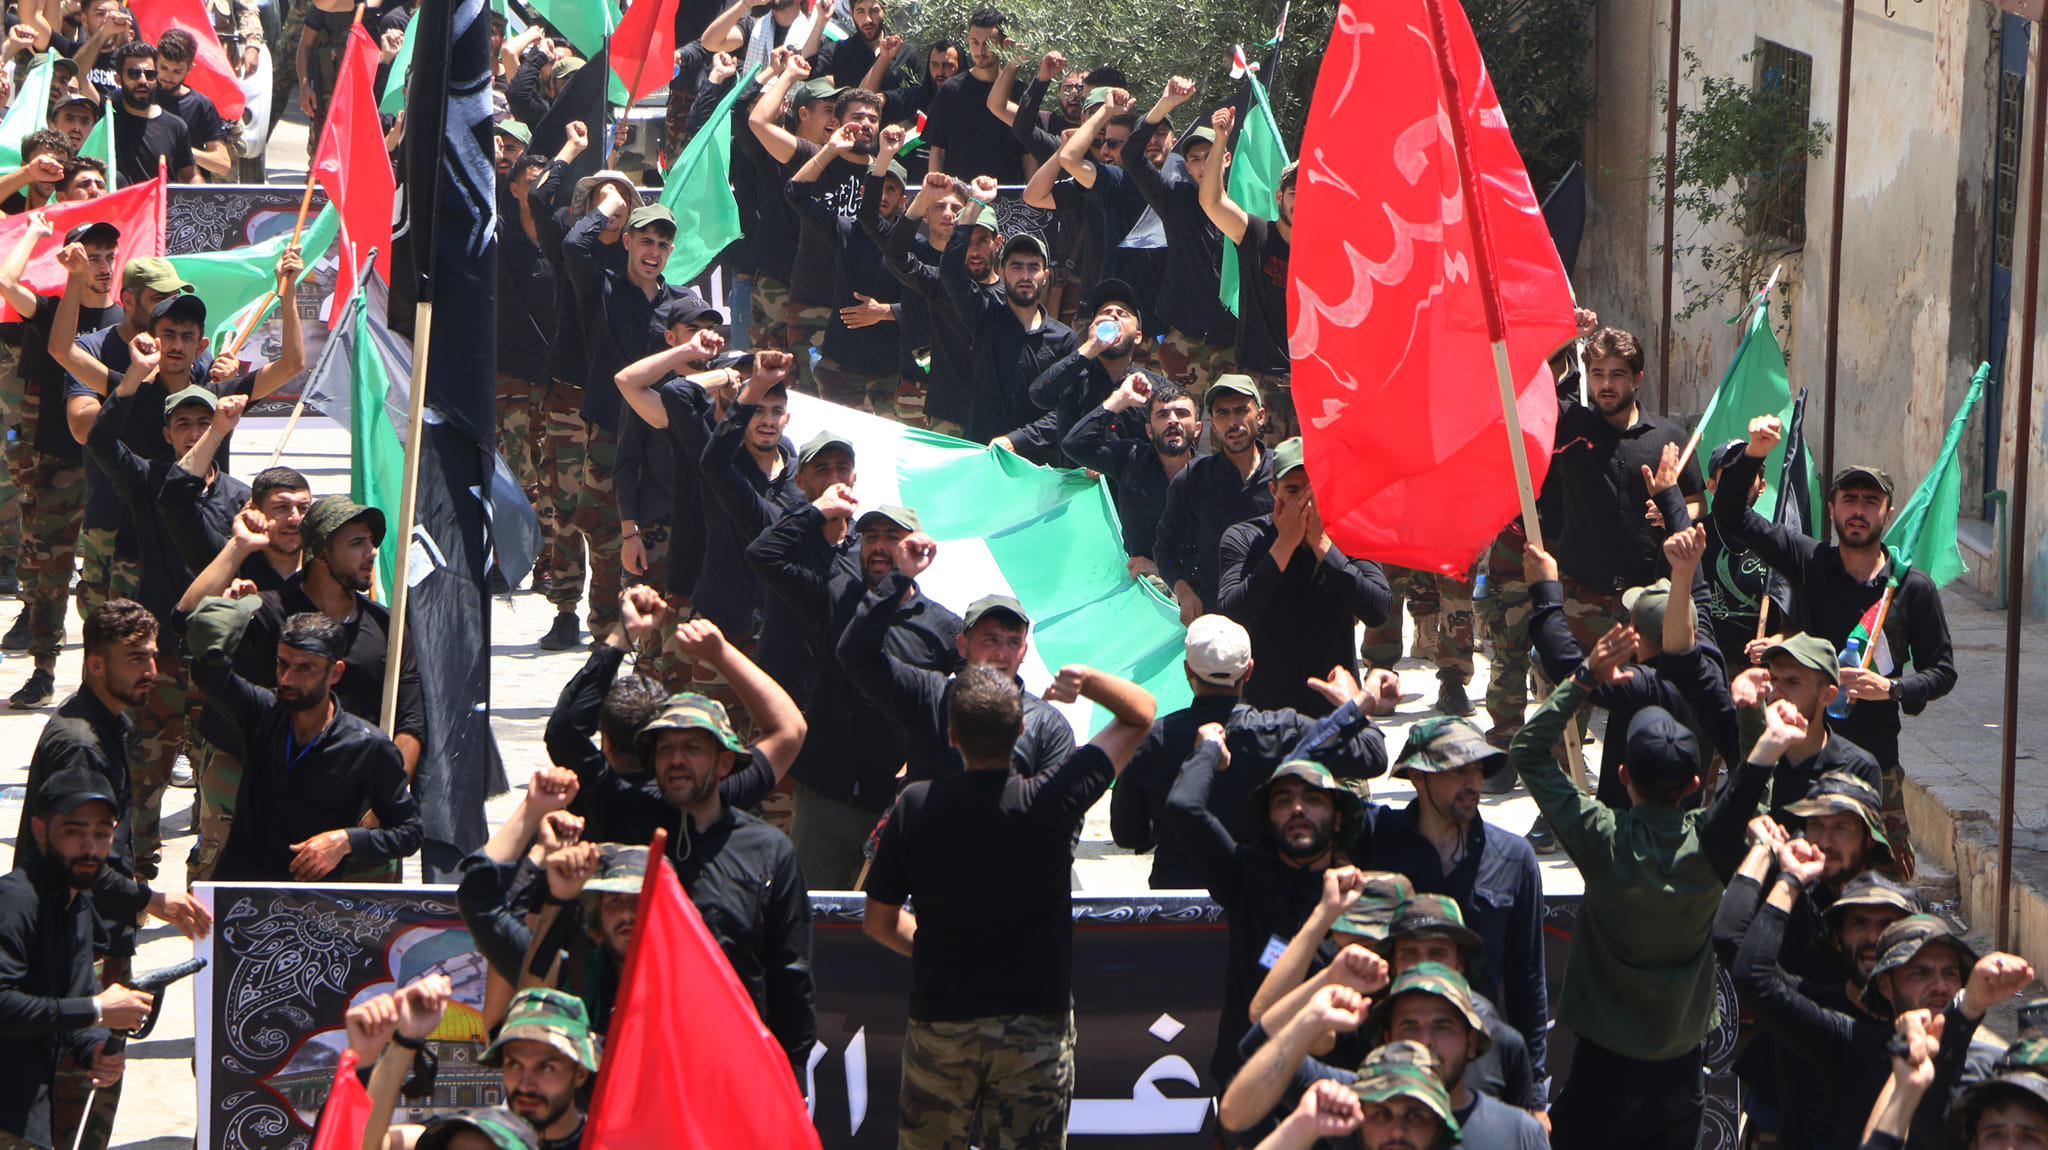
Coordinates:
[1726,454]
[66,790]
[1112,289]
[96,230]
[688,307]
[1660,749]
[1860,476]
[184,305]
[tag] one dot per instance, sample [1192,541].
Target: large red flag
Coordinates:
[688,1062]
[211,76]
[137,210]
[354,169]
[643,49]
[1394,376]
[347,1110]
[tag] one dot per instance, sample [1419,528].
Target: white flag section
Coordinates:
[1005,527]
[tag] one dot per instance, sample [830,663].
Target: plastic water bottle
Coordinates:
[1107,330]
[1479,588]
[1852,656]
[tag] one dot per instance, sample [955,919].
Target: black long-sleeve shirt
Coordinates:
[568,353]
[199,517]
[729,472]
[1300,619]
[46,990]
[1075,386]
[1099,439]
[917,697]
[623,322]
[1259,740]
[1006,355]
[1592,499]
[914,262]
[1188,296]
[138,482]
[526,292]
[1205,500]
[85,733]
[1829,602]
[856,269]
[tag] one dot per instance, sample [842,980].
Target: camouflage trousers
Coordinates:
[1281,421]
[52,503]
[1442,609]
[102,574]
[804,332]
[519,431]
[1504,613]
[166,726]
[1005,1082]
[860,390]
[768,326]
[219,779]
[578,457]
[1194,363]
[1590,613]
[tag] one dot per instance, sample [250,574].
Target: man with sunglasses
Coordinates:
[143,131]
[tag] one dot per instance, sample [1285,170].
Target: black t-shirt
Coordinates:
[817,248]
[202,120]
[144,433]
[49,380]
[139,140]
[976,143]
[986,855]
[1262,298]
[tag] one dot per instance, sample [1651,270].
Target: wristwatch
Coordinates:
[1896,689]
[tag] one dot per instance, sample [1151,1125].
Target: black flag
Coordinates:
[1564,213]
[582,98]
[1795,502]
[446,248]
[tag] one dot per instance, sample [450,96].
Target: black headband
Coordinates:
[313,644]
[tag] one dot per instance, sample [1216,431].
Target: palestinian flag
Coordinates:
[915,137]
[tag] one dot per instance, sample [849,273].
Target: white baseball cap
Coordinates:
[1218,650]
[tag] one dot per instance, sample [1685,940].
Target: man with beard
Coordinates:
[1218,664]
[1085,379]
[755,38]
[1214,494]
[847,61]
[1602,473]
[1397,1103]
[858,367]
[1840,589]
[1262,250]
[143,131]
[995,632]
[821,560]
[34,184]
[176,50]
[967,140]
[1099,199]
[310,768]
[1142,465]
[944,392]
[986,855]
[1013,338]
[1921,964]
[918,87]
[1200,330]
[50,1001]
[1298,595]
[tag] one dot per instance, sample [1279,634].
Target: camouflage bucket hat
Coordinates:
[1430,978]
[1405,1070]
[1903,940]
[555,1017]
[620,870]
[1378,905]
[1349,808]
[1841,793]
[1445,744]
[1433,914]
[2023,1086]
[689,711]
[1870,889]
[331,513]
[506,1130]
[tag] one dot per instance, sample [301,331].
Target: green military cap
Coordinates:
[155,273]
[1234,384]
[1405,1070]
[1027,242]
[688,711]
[555,1017]
[1434,916]
[1196,136]
[1861,476]
[192,394]
[1316,775]
[1871,889]
[651,216]
[1842,793]
[1903,940]
[1431,978]
[567,67]
[901,173]
[820,443]
[2022,1085]
[1095,98]
[817,88]
[516,130]
[506,1130]
[1441,743]
[1002,604]
[218,624]
[1385,893]
[1286,457]
[902,517]
[1809,651]
[1645,607]
[329,514]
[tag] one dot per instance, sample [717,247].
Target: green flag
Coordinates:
[392,101]
[233,281]
[1255,169]
[1756,384]
[29,111]
[99,144]
[698,189]
[585,24]
[1923,534]
[377,457]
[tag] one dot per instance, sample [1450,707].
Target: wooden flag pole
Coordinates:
[249,326]
[401,543]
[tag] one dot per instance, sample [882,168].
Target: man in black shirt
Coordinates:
[796,272]
[1200,330]
[1736,577]
[309,767]
[1084,379]
[1014,338]
[967,139]
[145,133]
[1213,494]
[943,394]
[1139,467]
[847,61]
[858,364]
[1801,670]
[526,327]
[986,855]
[1839,589]
[1298,595]
[207,134]
[1261,248]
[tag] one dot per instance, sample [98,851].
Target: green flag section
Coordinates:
[99,144]
[1756,384]
[232,282]
[698,189]
[361,381]
[28,112]
[1255,169]
[392,101]
[1050,538]
[1922,536]
[585,23]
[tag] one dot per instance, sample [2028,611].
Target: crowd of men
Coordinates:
[800,715]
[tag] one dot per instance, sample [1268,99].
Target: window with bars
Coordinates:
[1784,81]
[2012,89]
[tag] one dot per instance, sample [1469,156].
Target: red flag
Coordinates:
[137,210]
[1394,376]
[211,75]
[354,169]
[347,1111]
[688,1062]
[643,49]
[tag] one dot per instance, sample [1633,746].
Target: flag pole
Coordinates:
[415,423]
[1755,301]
